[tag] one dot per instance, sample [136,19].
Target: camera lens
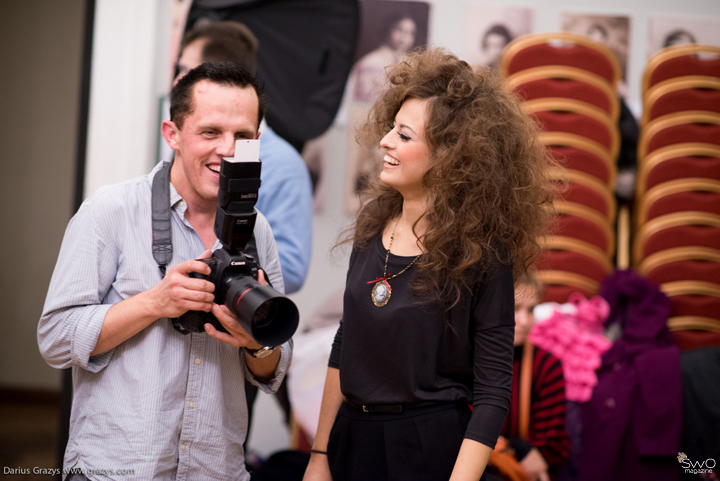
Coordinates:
[269,317]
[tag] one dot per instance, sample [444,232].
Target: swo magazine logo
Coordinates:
[696,467]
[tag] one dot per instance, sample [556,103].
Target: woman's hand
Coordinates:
[318,469]
[535,466]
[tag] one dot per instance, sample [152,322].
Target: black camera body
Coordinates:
[267,315]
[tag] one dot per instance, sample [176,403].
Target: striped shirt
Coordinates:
[168,405]
[547,408]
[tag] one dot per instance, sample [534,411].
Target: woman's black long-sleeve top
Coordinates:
[405,352]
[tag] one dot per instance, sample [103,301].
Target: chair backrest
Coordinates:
[576,118]
[690,194]
[693,298]
[560,284]
[681,60]
[584,189]
[676,230]
[677,162]
[693,332]
[578,153]
[566,82]
[679,128]
[694,322]
[682,264]
[585,224]
[574,256]
[695,93]
[561,49]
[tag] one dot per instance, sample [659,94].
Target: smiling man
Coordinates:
[146,397]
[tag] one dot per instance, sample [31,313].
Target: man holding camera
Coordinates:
[146,397]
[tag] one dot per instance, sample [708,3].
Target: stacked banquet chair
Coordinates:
[567,84]
[677,240]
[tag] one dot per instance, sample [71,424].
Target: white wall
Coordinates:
[129,72]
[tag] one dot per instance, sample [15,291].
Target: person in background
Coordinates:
[147,397]
[427,325]
[285,196]
[547,445]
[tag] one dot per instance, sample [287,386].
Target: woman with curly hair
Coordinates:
[428,317]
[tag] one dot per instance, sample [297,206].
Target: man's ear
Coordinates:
[170,132]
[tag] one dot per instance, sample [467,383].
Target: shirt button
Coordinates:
[197,360]
[192,405]
[610,403]
[182,447]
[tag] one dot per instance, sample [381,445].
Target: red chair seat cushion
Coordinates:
[683,201]
[574,262]
[574,123]
[692,305]
[684,65]
[585,195]
[685,99]
[578,56]
[683,167]
[692,339]
[681,236]
[681,133]
[581,160]
[565,88]
[581,229]
[686,270]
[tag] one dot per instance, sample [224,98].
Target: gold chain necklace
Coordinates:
[381,291]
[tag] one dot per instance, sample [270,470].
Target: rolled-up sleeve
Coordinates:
[279,374]
[74,312]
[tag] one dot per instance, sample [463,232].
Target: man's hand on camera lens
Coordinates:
[236,336]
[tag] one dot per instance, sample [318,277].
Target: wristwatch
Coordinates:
[262,352]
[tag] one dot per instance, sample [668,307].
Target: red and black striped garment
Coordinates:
[547,409]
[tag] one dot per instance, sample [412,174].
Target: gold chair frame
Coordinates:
[659,156]
[667,221]
[671,85]
[672,52]
[678,254]
[671,120]
[568,105]
[560,71]
[577,141]
[579,210]
[690,184]
[525,41]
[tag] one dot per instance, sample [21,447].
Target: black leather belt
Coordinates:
[391,408]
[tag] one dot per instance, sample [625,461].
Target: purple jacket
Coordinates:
[635,414]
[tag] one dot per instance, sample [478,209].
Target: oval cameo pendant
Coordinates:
[381,293]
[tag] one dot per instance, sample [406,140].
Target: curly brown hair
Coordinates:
[490,193]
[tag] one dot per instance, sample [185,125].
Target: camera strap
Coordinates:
[162,226]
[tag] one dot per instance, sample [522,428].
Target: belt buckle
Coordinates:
[365,409]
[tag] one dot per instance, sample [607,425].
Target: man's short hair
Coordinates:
[227,41]
[223,73]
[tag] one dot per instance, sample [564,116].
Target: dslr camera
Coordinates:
[267,315]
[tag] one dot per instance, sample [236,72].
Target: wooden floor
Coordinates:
[28,436]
